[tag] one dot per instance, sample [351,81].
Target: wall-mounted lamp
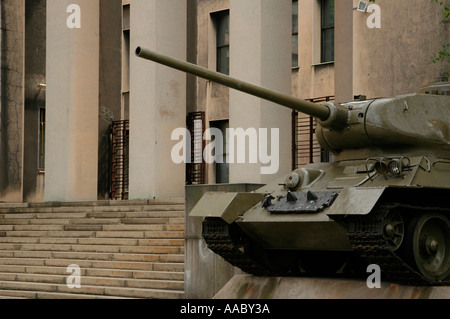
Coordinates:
[42,85]
[362,6]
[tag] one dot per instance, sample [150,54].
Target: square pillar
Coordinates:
[72,102]
[343,55]
[157,99]
[261,53]
[12,104]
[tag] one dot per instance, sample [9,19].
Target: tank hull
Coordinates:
[334,217]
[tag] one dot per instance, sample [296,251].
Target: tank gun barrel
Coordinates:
[330,114]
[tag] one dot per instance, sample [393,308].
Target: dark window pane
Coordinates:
[223,30]
[295,17]
[328,45]
[294,50]
[327,40]
[223,60]
[294,33]
[222,23]
[327,13]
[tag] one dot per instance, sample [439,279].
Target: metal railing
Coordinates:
[305,147]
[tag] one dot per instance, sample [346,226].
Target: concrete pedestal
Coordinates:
[249,287]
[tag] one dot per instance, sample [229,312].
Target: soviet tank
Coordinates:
[384,200]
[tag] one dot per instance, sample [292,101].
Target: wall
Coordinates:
[157,99]
[312,79]
[205,272]
[12,99]
[35,64]
[72,103]
[110,85]
[396,59]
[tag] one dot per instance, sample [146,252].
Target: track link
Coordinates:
[219,238]
[367,238]
[365,233]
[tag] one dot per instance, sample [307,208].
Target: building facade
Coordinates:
[82,118]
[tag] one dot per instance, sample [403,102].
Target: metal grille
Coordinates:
[305,147]
[120,160]
[196,169]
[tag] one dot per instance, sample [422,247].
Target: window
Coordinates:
[327,31]
[295,34]
[196,169]
[42,140]
[222,23]
[222,166]
[126,53]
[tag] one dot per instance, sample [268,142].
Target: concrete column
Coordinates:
[12,100]
[72,102]
[260,53]
[110,85]
[343,54]
[157,99]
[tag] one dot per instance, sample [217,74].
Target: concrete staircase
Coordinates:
[132,249]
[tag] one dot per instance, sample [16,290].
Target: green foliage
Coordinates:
[446,5]
[444,53]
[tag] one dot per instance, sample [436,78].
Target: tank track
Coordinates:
[366,236]
[218,237]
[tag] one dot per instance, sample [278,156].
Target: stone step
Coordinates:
[95,281]
[80,208]
[93,290]
[94,234]
[8,221]
[97,272]
[148,266]
[23,294]
[124,249]
[114,241]
[129,265]
[93,256]
[153,221]
[94,248]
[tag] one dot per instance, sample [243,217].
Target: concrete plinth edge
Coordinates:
[250,287]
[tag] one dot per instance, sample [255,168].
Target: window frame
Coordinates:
[326,28]
[217,18]
[295,43]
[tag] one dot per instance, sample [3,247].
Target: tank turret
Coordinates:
[383,201]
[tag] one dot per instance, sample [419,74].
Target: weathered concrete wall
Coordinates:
[35,64]
[110,85]
[343,51]
[313,79]
[213,98]
[12,99]
[396,59]
[205,272]
[249,287]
